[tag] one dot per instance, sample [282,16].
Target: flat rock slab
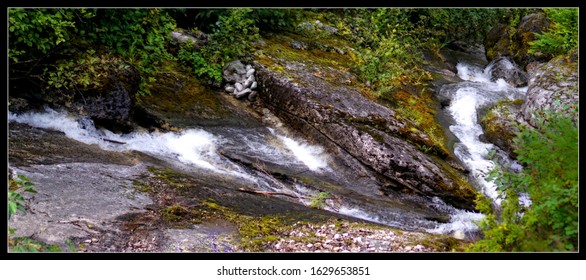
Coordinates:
[78,200]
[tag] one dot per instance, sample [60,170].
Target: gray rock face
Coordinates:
[552,86]
[369,132]
[502,68]
[78,200]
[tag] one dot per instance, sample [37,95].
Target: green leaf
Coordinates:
[12,207]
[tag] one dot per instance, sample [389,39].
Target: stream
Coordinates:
[221,150]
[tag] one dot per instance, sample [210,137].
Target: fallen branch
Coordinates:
[113,141]
[270,193]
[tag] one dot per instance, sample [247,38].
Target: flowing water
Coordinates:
[217,150]
[476,92]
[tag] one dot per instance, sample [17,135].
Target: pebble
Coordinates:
[252,96]
[250,72]
[239,86]
[243,93]
[253,86]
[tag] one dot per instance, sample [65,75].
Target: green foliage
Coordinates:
[55,36]
[319,201]
[276,19]
[232,38]
[449,25]
[140,36]
[16,201]
[388,47]
[549,155]
[29,245]
[562,36]
[37,32]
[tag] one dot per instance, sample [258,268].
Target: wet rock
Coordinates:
[500,124]
[109,105]
[502,68]
[372,134]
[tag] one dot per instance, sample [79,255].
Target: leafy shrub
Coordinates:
[16,201]
[319,201]
[35,33]
[550,179]
[232,38]
[562,36]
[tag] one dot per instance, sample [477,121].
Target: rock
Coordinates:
[229,89]
[109,103]
[247,83]
[502,68]
[243,93]
[239,87]
[458,234]
[298,45]
[233,71]
[500,42]
[535,23]
[250,72]
[372,134]
[181,36]
[499,124]
[552,86]
[252,96]
[253,86]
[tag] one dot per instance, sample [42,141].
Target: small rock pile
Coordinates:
[240,80]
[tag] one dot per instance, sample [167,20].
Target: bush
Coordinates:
[562,37]
[549,156]
[232,38]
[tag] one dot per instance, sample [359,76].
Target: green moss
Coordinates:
[177,95]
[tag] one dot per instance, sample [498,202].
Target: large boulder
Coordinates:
[324,102]
[502,41]
[498,42]
[553,86]
[529,25]
[108,101]
[500,124]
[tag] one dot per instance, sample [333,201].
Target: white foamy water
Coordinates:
[464,106]
[466,98]
[194,147]
[312,156]
[461,221]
